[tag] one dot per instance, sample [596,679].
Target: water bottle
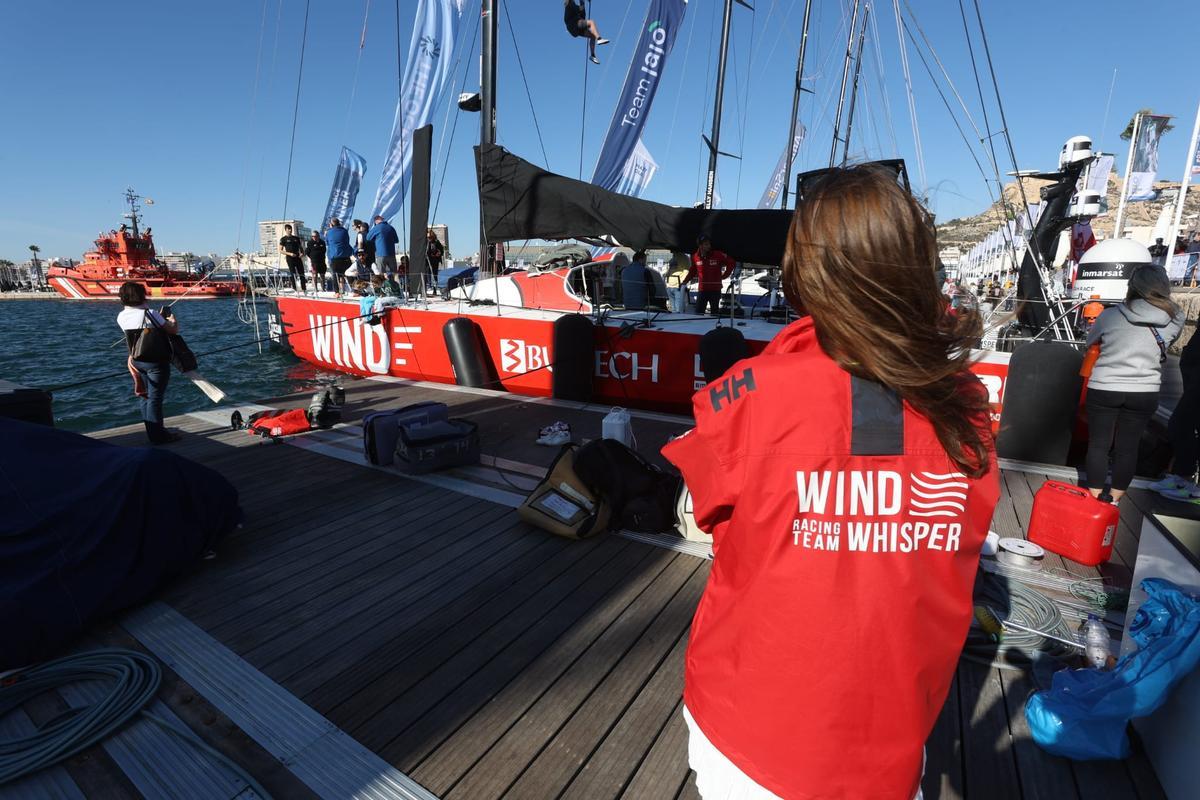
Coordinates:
[1096,642]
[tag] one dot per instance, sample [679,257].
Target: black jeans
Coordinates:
[708,298]
[1184,426]
[296,270]
[1116,421]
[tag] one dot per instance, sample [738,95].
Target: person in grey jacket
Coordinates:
[1123,389]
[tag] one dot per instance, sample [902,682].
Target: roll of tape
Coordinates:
[1020,553]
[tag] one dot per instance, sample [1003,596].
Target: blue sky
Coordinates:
[161,96]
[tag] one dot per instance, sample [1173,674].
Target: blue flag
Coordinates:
[778,178]
[346,182]
[425,76]
[663,20]
[636,176]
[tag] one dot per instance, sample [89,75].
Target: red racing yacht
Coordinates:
[127,254]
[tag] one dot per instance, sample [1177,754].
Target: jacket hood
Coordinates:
[1140,312]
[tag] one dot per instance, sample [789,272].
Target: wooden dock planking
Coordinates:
[461,686]
[499,744]
[663,770]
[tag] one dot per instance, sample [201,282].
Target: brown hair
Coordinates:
[861,260]
[132,293]
[1149,282]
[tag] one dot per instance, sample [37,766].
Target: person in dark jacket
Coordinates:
[337,240]
[315,249]
[1123,387]
[1184,431]
[383,236]
[364,248]
[575,18]
[434,253]
[637,284]
[291,245]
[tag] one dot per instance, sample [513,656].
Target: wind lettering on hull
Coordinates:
[349,343]
[404,347]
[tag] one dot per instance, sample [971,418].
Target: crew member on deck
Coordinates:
[848,477]
[434,253]
[383,236]
[637,285]
[575,18]
[712,267]
[290,245]
[337,239]
[315,249]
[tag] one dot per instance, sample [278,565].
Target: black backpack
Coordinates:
[641,495]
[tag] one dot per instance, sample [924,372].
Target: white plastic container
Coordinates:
[617,425]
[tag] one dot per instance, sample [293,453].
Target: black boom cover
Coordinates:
[520,201]
[1041,396]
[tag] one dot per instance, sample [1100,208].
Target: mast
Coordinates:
[1118,227]
[715,140]
[837,119]
[487,97]
[862,37]
[787,171]
[131,199]
[1184,181]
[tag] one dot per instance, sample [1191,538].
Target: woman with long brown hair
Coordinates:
[848,478]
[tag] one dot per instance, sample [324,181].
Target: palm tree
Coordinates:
[1127,134]
[37,268]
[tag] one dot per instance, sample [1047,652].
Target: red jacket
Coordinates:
[845,546]
[712,269]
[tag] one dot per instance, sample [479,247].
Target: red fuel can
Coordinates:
[1067,520]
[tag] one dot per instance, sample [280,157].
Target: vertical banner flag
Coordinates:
[663,20]
[1145,159]
[346,181]
[425,76]
[639,170]
[1196,163]
[775,186]
[1098,179]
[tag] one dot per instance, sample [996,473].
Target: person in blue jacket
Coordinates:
[337,241]
[384,236]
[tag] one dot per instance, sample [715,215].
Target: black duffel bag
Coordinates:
[641,495]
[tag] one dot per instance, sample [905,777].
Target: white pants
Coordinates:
[718,778]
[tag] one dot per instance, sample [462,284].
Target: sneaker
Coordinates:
[595,60]
[1185,491]
[554,439]
[602,41]
[1168,483]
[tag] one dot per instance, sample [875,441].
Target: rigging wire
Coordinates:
[454,124]
[687,53]
[362,43]
[262,32]
[583,121]
[882,82]
[528,95]
[262,164]
[399,89]
[912,101]
[287,186]
[1012,153]
[1107,104]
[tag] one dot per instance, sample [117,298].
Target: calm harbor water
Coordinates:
[50,343]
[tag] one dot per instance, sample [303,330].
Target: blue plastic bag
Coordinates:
[1085,712]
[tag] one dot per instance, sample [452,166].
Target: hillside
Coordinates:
[966,232]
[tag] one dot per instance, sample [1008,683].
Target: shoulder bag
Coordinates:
[152,345]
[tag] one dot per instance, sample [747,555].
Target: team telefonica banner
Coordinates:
[771,193]
[663,20]
[425,76]
[639,170]
[346,182]
[1145,159]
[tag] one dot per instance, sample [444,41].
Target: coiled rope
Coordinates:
[133,680]
[1016,650]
